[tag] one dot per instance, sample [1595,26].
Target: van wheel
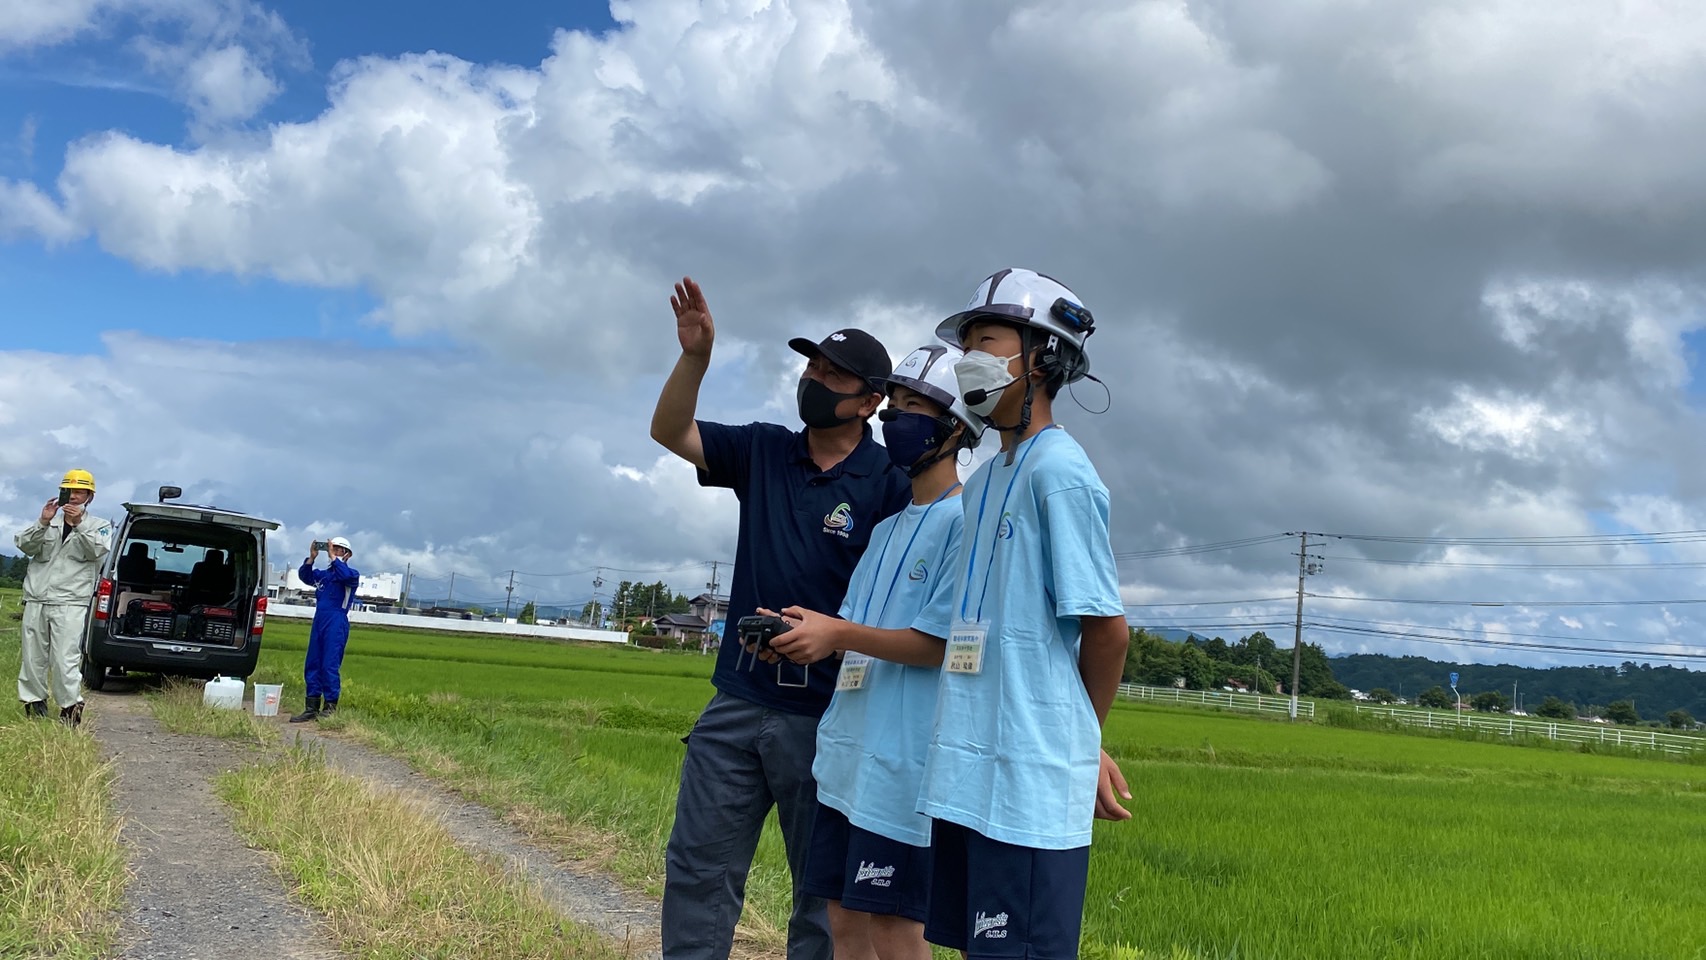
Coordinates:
[94,675]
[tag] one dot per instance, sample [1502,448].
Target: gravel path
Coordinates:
[198,892]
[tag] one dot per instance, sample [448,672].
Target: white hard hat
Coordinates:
[1030,299]
[340,542]
[930,371]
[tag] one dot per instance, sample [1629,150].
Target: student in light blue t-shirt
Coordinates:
[1015,773]
[870,850]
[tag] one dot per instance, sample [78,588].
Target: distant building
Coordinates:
[705,620]
[376,588]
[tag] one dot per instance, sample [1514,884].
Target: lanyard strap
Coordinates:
[904,554]
[971,554]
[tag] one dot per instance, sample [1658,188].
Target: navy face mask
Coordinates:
[911,438]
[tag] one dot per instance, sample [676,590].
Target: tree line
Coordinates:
[1255,662]
[1630,692]
[12,570]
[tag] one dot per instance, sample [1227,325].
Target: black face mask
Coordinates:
[818,403]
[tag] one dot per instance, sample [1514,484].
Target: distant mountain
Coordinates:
[1655,690]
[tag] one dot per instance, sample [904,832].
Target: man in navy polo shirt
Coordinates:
[809,500]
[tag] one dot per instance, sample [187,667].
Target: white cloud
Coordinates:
[26,211]
[220,56]
[29,23]
[226,84]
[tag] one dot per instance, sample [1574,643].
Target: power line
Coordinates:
[1566,540]
[1486,630]
[1191,549]
[1509,603]
[1206,603]
[1609,565]
[1571,650]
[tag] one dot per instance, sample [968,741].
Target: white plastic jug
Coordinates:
[223,693]
[267,696]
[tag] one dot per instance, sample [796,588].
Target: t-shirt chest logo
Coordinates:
[1004,529]
[920,571]
[839,521]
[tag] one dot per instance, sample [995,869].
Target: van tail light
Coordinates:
[260,621]
[104,599]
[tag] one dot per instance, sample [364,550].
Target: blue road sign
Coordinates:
[1454,679]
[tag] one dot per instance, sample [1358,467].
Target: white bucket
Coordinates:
[223,693]
[267,696]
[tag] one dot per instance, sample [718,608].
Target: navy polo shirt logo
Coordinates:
[839,521]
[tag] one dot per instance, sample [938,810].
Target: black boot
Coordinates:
[312,712]
[72,716]
[330,706]
[35,708]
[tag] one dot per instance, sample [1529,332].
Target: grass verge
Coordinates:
[387,876]
[177,706]
[62,869]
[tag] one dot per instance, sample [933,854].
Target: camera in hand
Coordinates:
[758,630]
[321,545]
[64,496]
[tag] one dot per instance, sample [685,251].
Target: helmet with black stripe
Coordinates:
[1031,300]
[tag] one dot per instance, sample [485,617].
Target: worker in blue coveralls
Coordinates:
[334,592]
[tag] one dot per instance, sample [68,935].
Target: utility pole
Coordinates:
[408,576]
[451,594]
[712,586]
[509,593]
[1304,568]
[597,608]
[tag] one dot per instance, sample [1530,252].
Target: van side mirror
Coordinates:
[170,493]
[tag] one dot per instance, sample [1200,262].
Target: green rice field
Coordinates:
[1252,838]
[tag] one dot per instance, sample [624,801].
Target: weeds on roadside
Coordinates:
[387,875]
[62,869]
[178,707]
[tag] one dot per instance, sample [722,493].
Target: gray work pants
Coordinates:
[741,759]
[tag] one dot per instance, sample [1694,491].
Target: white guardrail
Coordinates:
[1224,700]
[449,625]
[1514,728]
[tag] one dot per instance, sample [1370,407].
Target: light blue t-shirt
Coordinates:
[871,741]
[1016,749]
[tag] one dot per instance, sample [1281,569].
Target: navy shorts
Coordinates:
[994,899]
[866,871]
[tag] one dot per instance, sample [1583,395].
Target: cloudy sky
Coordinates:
[400,271]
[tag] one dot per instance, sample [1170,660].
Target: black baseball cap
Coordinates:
[854,351]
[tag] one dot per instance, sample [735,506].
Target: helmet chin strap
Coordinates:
[1030,391]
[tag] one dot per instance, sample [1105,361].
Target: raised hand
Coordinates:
[74,514]
[693,325]
[48,511]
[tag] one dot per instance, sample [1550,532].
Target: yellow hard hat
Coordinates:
[78,480]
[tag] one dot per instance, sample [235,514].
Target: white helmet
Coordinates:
[1030,299]
[340,542]
[930,371]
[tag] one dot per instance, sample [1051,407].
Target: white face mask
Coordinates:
[982,376]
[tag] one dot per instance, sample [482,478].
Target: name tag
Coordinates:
[965,647]
[854,666]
